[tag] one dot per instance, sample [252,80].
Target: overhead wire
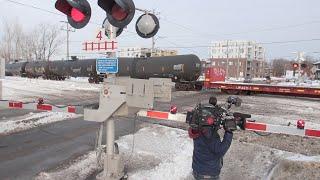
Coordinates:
[44,10]
[272,42]
[197,33]
[200,34]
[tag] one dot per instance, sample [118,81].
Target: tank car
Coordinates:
[184,70]
[35,69]
[15,69]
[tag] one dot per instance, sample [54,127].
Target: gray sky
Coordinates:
[197,23]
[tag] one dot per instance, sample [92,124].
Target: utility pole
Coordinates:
[67,30]
[299,59]
[153,38]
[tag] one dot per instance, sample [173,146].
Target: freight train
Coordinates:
[184,70]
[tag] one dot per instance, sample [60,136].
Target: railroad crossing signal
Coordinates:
[304,65]
[119,12]
[78,12]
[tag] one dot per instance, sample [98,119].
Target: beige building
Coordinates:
[145,52]
[241,67]
[240,58]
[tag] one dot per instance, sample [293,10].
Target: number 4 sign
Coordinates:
[101,35]
[101,43]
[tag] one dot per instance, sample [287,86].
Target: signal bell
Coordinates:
[77,11]
[119,12]
[147,25]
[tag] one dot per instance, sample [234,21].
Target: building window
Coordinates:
[213,63]
[231,63]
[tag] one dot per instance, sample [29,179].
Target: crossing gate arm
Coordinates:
[6,104]
[278,129]
[250,126]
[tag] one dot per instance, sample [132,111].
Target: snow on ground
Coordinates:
[166,153]
[315,83]
[17,88]
[282,110]
[79,169]
[32,120]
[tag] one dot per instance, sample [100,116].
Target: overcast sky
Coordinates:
[196,23]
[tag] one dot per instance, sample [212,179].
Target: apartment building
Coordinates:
[239,58]
[145,52]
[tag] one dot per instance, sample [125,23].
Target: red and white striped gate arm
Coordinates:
[38,107]
[251,126]
[162,115]
[262,127]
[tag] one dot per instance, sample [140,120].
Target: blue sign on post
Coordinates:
[107,65]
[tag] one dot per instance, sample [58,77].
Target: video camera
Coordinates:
[217,116]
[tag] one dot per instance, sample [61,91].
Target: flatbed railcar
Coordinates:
[248,88]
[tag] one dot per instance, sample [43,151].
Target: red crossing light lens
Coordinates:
[77,15]
[118,13]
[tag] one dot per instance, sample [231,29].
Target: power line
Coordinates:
[189,49]
[44,10]
[292,41]
[34,7]
[196,33]
[274,42]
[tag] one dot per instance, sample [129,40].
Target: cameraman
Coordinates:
[208,151]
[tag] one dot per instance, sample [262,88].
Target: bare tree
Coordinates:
[279,66]
[45,41]
[39,44]
[6,51]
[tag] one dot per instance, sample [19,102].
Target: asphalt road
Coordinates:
[25,154]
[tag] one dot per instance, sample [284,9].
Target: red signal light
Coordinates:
[295,65]
[77,15]
[78,12]
[118,13]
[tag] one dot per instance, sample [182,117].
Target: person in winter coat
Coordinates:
[208,152]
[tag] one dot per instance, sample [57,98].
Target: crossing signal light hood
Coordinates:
[119,12]
[78,12]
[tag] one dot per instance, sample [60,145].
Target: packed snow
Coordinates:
[17,88]
[315,83]
[166,153]
[82,167]
[32,120]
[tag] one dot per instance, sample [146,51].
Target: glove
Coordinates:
[193,133]
[227,129]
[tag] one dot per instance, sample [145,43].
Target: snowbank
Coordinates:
[315,83]
[80,168]
[166,153]
[33,120]
[16,88]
